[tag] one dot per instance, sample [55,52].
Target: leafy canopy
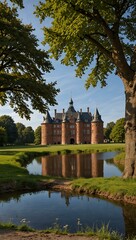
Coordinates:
[108,129]
[8,124]
[3,136]
[118,131]
[94,32]
[37,135]
[22,66]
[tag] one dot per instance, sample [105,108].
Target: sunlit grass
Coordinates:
[102,233]
[73,148]
[115,185]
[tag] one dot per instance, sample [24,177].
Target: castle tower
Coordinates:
[65,129]
[79,129]
[97,128]
[46,130]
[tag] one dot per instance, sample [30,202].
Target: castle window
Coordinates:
[72,132]
[58,132]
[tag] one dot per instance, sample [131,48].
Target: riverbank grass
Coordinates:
[102,233]
[115,186]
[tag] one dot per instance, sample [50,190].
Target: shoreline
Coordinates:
[66,186]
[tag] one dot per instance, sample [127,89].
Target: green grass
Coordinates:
[64,148]
[102,234]
[116,186]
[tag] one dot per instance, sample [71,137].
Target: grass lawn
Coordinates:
[63,148]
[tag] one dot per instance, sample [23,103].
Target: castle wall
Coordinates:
[57,132]
[97,132]
[87,133]
[43,133]
[79,132]
[46,134]
[65,133]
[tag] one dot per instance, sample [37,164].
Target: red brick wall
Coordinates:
[46,134]
[65,133]
[97,132]
[79,132]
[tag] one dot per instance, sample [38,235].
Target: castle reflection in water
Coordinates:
[73,165]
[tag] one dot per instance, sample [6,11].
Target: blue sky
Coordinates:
[110,100]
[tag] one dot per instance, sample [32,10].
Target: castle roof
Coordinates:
[79,117]
[96,116]
[47,118]
[71,113]
[71,109]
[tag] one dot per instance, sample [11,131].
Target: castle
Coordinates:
[72,127]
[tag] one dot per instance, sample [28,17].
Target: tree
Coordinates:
[8,123]
[118,131]
[20,138]
[108,130]
[37,135]
[98,36]
[3,136]
[28,135]
[22,66]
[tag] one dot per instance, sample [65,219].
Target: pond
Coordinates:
[76,165]
[44,209]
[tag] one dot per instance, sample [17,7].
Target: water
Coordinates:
[76,165]
[43,209]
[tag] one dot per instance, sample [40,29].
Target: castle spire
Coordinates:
[47,118]
[71,107]
[96,116]
[71,102]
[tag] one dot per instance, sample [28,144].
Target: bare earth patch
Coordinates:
[17,235]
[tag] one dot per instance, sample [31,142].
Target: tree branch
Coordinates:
[99,46]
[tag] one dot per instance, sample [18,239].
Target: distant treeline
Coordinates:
[17,133]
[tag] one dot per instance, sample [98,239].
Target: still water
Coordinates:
[45,208]
[76,165]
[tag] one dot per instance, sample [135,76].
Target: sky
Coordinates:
[109,100]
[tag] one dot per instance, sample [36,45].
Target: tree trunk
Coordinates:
[130,131]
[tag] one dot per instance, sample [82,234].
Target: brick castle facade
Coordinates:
[72,127]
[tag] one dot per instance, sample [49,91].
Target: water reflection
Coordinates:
[41,209]
[79,165]
[75,165]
